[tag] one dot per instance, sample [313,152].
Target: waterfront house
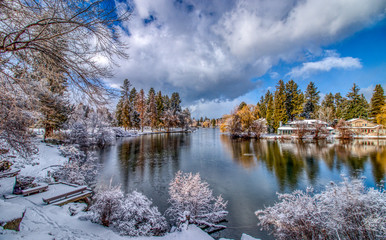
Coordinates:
[309,126]
[363,127]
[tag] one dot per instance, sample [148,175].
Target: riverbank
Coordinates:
[48,222]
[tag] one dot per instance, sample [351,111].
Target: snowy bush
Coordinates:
[192,201]
[131,215]
[344,211]
[107,204]
[138,218]
[80,169]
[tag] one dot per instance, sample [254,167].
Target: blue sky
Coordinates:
[221,52]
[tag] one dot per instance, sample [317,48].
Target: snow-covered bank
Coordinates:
[53,222]
[42,221]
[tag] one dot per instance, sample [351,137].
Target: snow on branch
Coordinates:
[192,201]
[342,211]
[131,215]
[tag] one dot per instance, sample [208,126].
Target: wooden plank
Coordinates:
[37,189]
[9,174]
[65,195]
[74,198]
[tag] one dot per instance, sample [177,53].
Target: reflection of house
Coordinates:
[363,127]
[308,126]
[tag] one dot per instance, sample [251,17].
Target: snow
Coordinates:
[6,185]
[53,190]
[10,211]
[47,159]
[247,237]
[42,221]
[54,222]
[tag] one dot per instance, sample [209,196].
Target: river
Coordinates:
[247,173]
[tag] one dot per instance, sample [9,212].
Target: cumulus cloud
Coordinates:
[212,50]
[326,65]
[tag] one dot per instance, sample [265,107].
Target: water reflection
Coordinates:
[291,160]
[247,173]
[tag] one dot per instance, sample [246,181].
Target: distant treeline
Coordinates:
[136,110]
[288,103]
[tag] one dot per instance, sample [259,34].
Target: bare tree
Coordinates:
[301,129]
[344,130]
[259,127]
[66,38]
[320,130]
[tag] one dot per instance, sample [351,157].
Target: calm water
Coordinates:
[247,173]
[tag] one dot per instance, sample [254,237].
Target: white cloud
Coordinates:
[325,65]
[367,92]
[212,49]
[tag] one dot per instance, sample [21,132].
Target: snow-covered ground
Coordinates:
[53,222]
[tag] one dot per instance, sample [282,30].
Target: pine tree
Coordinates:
[123,108]
[134,115]
[328,108]
[141,107]
[53,100]
[339,104]
[357,105]
[152,109]
[311,101]
[160,108]
[279,113]
[377,102]
[270,110]
[294,100]
[263,107]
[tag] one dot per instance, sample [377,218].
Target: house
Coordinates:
[363,127]
[309,127]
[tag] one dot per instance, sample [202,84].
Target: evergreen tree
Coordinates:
[270,110]
[141,107]
[134,115]
[160,108]
[357,105]
[377,102]
[293,101]
[339,104]
[53,101]
[328,108]
[279,113]
[122,113]
[311,101]
[241,105]
[263,107]
[152,109]
[175,103]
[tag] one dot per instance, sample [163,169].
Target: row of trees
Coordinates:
[137,110]
[288,103]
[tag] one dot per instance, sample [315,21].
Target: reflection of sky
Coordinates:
[246,173]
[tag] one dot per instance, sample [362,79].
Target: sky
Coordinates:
[217,53]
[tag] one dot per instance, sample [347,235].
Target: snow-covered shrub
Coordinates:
[344,211]
[107,205]
[80,169]
[131,215]
[192,201]
[138,218]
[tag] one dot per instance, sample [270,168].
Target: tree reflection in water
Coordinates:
[289,161]
[151,157]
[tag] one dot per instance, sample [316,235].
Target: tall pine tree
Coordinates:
[377,102]
[357,105]
[293,101]
[279,113]
[123,109]
[311,98]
